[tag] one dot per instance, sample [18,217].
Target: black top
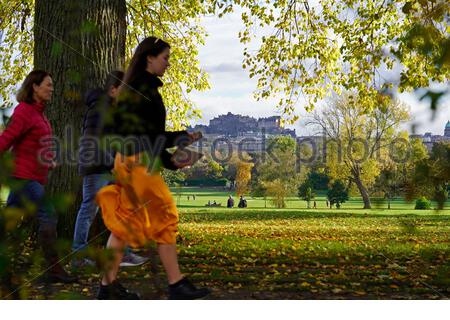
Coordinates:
[92,159]
[140,117]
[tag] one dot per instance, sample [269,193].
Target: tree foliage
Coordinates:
[173,177]
[278,190]
[360,140]
[312,49]
[175,21]
[277,172]
[431,176]
[243,177]
[337,194]
[206,168]
[319,180]
[306,192]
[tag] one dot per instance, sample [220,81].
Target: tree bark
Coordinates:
[362,190]
[79,43]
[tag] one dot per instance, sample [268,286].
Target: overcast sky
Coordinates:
[231,88]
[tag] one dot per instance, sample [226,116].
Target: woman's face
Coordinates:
[158,65]
[43,92]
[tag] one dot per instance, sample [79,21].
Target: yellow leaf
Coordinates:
[305,284]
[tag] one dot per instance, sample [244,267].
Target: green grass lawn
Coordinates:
[202,196]
[286,254]
[298,253]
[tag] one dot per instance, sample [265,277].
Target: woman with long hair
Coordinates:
[139,208]
[28,135]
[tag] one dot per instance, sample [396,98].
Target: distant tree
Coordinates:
[243,176]
[433,174]
[318,180]
[359,139]
[422,204]
[395,176]
[388,184]
[278,190]
[214,170]
[204,169]
[173,177]
[277,170]
[306,192]
[337,194]
[230,170]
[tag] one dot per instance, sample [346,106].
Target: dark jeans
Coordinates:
[31,192]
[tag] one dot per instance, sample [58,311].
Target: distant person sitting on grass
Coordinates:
[242,202]
[230,202]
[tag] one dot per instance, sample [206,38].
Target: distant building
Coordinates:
[447,129]
[240,133]
[429,139]
[235,125]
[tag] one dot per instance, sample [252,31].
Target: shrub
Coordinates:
[422,204]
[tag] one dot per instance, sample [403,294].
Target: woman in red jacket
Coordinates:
[28,136]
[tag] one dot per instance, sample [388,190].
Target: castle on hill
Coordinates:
[235,125]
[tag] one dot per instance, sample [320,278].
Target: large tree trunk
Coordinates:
[79,42]
[362,190]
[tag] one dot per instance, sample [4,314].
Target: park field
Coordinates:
[354,205]
[297,253]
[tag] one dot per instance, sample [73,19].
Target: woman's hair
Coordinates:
[114,79]
[150,46]
[25,93]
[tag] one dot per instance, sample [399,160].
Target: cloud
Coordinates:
[223,67]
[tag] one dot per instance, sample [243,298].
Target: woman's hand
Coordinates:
[53,165]
[182,158]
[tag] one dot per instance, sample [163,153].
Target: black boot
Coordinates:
[54,271]
[115,291]
[185,290]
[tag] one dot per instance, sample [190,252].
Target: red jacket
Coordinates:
[29,136]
